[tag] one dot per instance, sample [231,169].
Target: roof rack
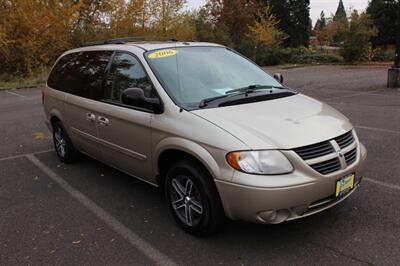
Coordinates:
[127,39]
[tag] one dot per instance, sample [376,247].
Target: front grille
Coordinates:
[327,167]
[345,140]
[315,150]
[331,150]
[351,156]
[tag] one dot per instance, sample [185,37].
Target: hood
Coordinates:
[284,123]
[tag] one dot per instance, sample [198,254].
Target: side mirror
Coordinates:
[278,77]
[135,97]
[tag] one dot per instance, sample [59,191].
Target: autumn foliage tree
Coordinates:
[33,33]
[30,39]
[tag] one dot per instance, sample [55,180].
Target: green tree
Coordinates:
[357,37]
[383,13]
[321,22]
[340,24]
[294,20]
[340,14]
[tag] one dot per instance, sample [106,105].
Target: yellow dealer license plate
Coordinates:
[344,185]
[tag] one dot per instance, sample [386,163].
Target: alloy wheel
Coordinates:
[60,142]
[186,200]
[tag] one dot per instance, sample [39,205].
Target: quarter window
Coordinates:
[81,73]
[126,72]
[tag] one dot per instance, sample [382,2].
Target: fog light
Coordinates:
[273,217]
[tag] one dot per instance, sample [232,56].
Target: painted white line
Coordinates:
[16,94]
[379,129]
[381,183]
[142,245]
[394,108]
[24,155]
[353,95]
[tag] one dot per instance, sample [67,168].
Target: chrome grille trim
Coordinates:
[332,155]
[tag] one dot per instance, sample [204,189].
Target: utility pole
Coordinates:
[394,71]
[397,60]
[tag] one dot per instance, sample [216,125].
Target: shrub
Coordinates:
[313,56]
[384,55]
[302,55]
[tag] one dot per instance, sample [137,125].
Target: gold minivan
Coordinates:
[215,132]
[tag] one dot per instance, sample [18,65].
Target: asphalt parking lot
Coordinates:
[90,214]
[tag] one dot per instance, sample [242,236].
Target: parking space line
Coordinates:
[352,95]
[139,243]
[16,94]
[24,155]
[388,107]
[379,129]
[381,183]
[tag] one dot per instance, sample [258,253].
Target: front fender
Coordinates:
[190,147]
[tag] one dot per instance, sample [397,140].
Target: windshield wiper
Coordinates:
[253,88]
[237,92]
[206,101]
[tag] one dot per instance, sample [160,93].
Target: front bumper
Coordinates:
[275,199]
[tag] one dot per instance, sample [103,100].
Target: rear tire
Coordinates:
[193,198]
[65,150]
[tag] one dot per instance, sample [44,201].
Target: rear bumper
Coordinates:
[285,197]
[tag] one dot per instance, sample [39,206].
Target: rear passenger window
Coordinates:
[81,73]
[60,73]
[126,72]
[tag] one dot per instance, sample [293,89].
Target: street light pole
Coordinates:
[397,60]
[394,71]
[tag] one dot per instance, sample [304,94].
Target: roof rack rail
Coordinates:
[128,39]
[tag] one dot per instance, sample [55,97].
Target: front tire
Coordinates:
[193,198]
[65,150]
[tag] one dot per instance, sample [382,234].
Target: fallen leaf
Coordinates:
[40,136]
[76,242]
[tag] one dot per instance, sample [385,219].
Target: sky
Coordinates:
[328,6]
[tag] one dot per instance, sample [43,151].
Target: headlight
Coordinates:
[260,162]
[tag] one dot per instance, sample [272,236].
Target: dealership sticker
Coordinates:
[162,53]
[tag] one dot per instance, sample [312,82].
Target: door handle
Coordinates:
[103,121]
[90,117]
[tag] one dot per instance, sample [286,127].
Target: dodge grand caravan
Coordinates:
[220,136]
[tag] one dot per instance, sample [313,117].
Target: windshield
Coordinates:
[192,74]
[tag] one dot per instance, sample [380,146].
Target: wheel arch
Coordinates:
[55,115]
[171,150]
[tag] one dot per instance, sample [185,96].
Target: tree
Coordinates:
[208,26]
[341,23]
[31,35]
[294,20]
[357,37]
[383,13]
[321,23]
[340,14]
[227,22]
[265,31]
[167,15]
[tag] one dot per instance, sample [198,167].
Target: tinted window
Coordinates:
[81,73]
[59,74]
[126,72]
